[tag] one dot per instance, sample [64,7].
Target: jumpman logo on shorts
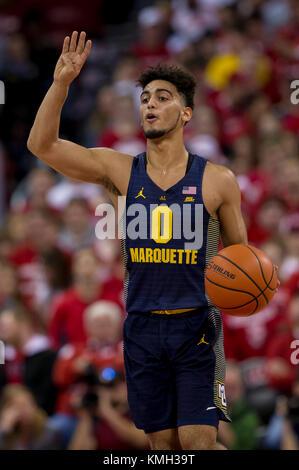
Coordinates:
[202,341]
[140,193]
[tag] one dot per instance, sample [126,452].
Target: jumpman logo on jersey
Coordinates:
[140,193]
[202,341]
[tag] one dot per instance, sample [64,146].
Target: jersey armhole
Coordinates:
[136,160]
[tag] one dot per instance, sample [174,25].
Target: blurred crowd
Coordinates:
[61,293]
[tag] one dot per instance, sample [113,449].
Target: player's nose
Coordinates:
[151,103]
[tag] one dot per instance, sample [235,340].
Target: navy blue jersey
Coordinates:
[170,238]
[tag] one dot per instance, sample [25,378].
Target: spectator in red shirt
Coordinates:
[102,324]
[247,337]
[289,182]
[246,340]
[66,317]
[151,47]
[266,223]
[289,229]
[41,235]
[57,272]
[78,365]
[109,425]
[29,357]
[293,284]
[262,180]
[124,133]
[282,359]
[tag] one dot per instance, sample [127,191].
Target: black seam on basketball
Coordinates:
[271,288]
[243,291]
[244,272]
[246,315]
[235,290]
[260,265]
[239,306]
[257,304]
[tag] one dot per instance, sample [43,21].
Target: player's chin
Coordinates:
[153,132]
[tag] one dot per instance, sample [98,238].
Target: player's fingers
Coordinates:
[86,51]
[73,43]
[277,285]
[65,46]
[80,46]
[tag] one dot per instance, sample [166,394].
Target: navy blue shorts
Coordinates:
[170,370]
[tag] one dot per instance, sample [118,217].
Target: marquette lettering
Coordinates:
[163,255]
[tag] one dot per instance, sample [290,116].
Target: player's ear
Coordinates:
[186,114]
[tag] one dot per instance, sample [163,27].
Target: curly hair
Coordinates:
[183,81]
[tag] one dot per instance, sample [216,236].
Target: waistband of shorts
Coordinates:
[195,311]
[173,311]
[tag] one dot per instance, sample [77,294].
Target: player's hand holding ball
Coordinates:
[241,280]
[74,53]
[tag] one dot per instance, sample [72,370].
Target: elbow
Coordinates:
[40,151]
[32,147]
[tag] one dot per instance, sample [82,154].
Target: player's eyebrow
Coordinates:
[156,90]
[164,89]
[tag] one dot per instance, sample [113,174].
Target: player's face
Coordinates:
[162,109]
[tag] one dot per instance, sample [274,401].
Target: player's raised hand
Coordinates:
[74,53]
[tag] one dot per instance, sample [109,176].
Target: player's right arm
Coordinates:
[233,228]
[97,165]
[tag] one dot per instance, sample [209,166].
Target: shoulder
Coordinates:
[222,178]
[222,173]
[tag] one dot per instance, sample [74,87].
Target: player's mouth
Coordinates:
[150,117]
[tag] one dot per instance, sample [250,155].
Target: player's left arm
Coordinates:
[233,228]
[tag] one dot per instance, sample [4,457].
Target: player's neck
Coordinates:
[167,152]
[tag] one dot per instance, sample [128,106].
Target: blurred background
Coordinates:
[61,293]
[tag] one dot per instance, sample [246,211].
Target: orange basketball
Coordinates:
[240,280]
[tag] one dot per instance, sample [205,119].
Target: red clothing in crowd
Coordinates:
[149,56]
[66,313]
[283,345]
[109,439]
[256,189]
[12,370]
[248,337]
[66,377]
[290,122]
[32,282]
[32,366]
[292,285]
[258,235]
[233,124]
[31,278]
[110,139]
[287,65]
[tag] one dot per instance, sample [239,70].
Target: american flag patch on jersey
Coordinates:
[189,190]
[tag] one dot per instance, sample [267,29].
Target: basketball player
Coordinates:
[173,343]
